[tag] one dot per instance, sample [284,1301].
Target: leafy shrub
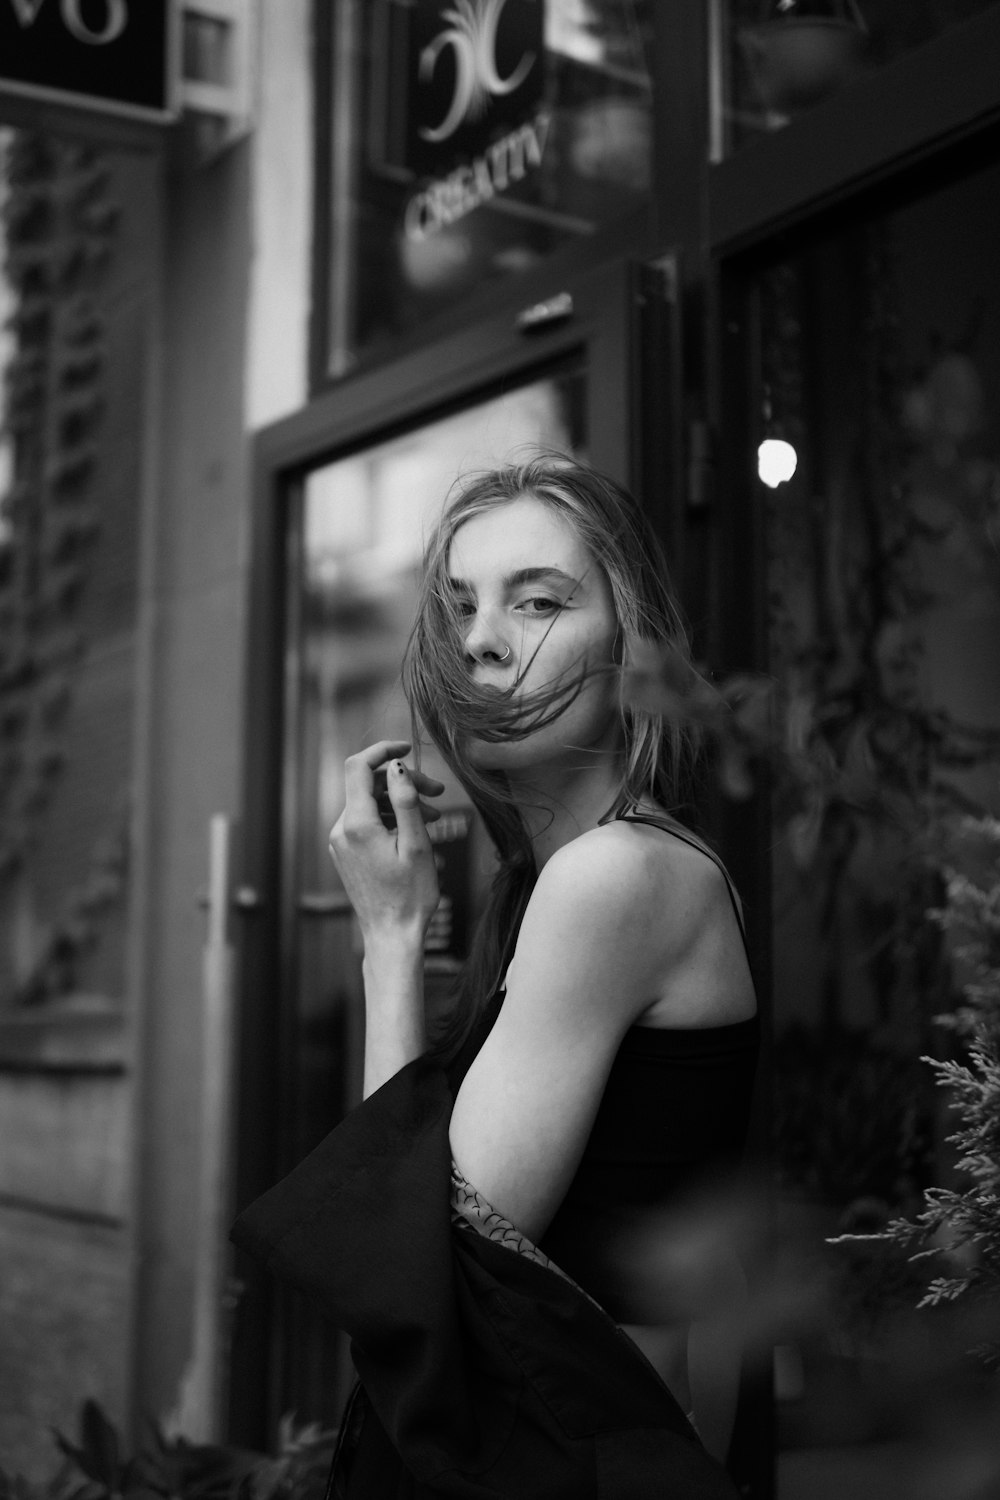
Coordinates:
[96,1467]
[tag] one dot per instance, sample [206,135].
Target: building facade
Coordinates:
[741,256]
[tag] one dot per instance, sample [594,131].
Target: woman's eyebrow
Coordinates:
[522,576]
[537,575]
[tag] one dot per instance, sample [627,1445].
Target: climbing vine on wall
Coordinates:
[59,223]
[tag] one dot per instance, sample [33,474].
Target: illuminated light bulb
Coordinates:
[776,461]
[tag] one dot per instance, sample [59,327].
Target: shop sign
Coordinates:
[462,103]
[507,161]
[107,55]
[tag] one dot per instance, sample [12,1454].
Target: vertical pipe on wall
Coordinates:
[202,1400]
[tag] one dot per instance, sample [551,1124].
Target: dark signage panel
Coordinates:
[109,54]
[454,78]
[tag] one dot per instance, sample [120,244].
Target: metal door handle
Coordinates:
[245,898]
[543,314]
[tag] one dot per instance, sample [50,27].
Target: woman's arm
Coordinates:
[393,975]
[390,877]
[605,928]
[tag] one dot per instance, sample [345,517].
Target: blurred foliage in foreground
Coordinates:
[827,767]
[96,1467]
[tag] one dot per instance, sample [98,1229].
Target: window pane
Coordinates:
[779,58]
[469,142]
[880,374]
[354,566]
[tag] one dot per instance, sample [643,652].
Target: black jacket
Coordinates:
[484,1375]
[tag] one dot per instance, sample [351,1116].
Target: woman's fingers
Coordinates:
[426,785]
[364,771]
[379,843]
[360,780]
[367,804]
[388,817]
[411,836]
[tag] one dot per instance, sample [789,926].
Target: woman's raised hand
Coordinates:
[380,846]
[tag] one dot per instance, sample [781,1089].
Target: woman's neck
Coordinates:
[557,807]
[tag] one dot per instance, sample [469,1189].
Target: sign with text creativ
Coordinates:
[459,106]
[112,56]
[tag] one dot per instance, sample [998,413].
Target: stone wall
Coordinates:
[64,1241]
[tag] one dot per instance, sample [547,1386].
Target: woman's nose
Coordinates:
[484,643]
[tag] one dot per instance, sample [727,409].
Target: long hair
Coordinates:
[657,757]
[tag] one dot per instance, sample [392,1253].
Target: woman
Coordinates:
[598,1064]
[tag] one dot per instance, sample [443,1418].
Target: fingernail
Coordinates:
[398,768]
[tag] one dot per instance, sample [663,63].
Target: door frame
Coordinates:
[621,319]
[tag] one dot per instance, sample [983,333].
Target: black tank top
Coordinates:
[672,1122]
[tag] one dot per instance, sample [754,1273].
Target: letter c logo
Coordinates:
[472,37]
[465,78]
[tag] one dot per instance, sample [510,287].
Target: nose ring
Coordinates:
[505,655]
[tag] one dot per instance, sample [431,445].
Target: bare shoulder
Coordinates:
[704,977]
[617,912]
[633,871]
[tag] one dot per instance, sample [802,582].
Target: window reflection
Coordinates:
[354,563]
[880,367]
[777,59]
[470,142]
[355,568]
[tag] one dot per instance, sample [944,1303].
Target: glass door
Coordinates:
[346,490]
[357,530]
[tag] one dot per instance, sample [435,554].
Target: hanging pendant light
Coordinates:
[777,459]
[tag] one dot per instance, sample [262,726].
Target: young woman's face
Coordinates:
[535,603]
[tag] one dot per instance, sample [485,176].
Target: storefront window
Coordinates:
[468,142]
[880,475]
[776,59]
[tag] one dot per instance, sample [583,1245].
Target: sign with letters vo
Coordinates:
[109,55]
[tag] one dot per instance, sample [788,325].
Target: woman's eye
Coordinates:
[540,604]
